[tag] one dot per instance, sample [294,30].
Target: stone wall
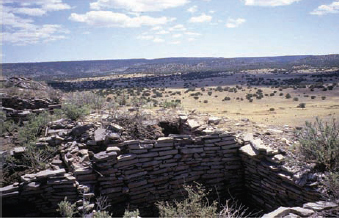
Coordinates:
[136,174]
[270,183]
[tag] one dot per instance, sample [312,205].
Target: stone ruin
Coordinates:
[18,108]
[95,161]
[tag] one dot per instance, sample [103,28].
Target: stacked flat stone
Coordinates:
[139,173]
[44,190]
[267,178]
[156,169]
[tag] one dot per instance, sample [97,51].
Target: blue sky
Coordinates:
[64,30]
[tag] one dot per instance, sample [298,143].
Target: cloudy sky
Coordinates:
[63,30]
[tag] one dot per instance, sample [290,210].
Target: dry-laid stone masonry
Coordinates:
[95,161]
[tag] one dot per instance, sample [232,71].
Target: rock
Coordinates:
[274,131]
[116,127]
[113,136]
[183,117]
[193,124]
[100,135]
[248,137]
[248,149]
[302,211]
[113,149]
[125,157]
[280,212]
[320,205]
[259,145]
[214,120]
[103,155]
[9,189]
[278,158]
[24,113]
[79,130]
[17,151]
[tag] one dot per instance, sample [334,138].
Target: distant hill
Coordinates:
[77,69]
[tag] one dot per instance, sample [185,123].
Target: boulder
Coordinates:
[79,130]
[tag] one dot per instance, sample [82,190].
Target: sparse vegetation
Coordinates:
[131,214]
[66,209]
[301,105]
[197,205]
[319,143]
[33,127]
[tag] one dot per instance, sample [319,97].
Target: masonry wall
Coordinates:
[136,174]
[269,183]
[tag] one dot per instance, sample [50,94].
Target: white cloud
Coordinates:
[145,37]
[158,40]
[192,34]
[23,31]
[162,32]
[38,34]
[178,35]
[178,27]
[112,19]
[156,28]
[14,21]
[175,42]
[37,7]
[200,19]
[191,39]
[327,9]
[193,9]
[269,3]
[29,11]
[138,5]
[233,23]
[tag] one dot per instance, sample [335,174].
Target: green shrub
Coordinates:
[301,105]
[131,214]
[88,99]
[331,182]
[319,143]
[313,97]
[288,96]
[295,99]
[66,209]
[272,109]
[170,104]
[36,158]
[323,97]
[8,126]
[197,205]
[75,112]
[101,214]
[36,123]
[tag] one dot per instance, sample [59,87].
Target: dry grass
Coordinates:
[285,110]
